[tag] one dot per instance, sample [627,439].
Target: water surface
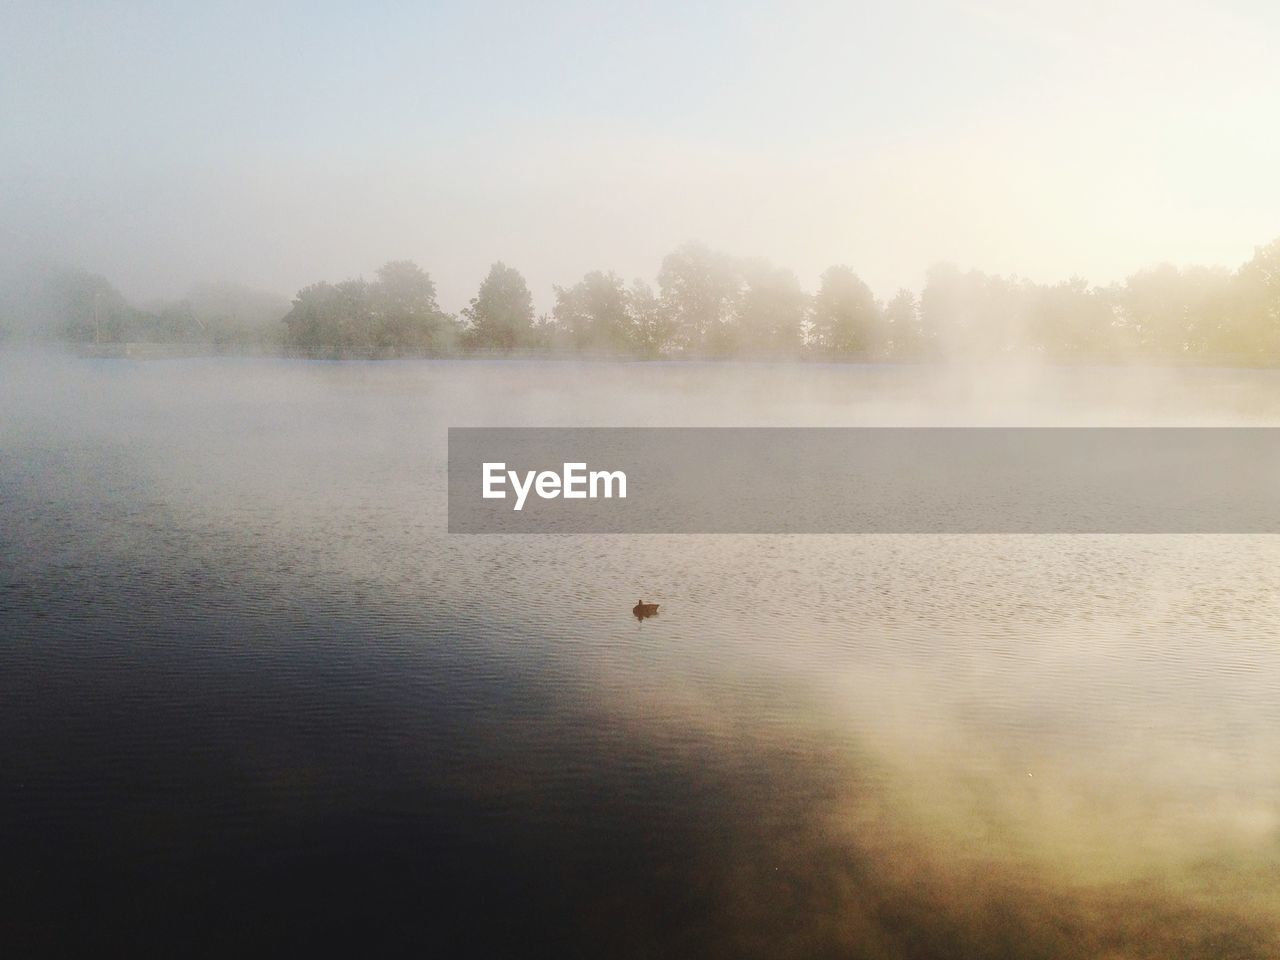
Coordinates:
[253,693]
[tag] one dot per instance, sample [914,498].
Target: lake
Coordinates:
[253,694]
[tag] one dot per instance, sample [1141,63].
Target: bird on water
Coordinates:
[643,611]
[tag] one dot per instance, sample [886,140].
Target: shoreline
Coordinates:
[152,351]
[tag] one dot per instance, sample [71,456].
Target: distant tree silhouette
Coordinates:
[846,316]
[1070,321]
[331,319]
[594,313]
[500,316]
[975,315]
[770,311]
[79,306]
[699,291]
[1172,313]
[1252,335]
[229,316]
[654,329]
[405,313]
[174,322]
[395,315]
[905,337]
[1260,278]
[706,304]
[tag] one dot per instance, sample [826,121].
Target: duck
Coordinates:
[644,610]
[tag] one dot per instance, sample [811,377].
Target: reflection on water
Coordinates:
[251,691]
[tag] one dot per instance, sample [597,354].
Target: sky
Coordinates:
[277,144]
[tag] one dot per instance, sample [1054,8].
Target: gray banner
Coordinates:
[895,480]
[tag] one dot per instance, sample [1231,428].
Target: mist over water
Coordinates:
[252,691]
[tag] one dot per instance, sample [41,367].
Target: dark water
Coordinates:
[252,695]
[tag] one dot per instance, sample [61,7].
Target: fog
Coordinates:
[250,673]
[256,261]
[277,147]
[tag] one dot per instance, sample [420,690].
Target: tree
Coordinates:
[331,320]
[906,337]
[309,324]
[549,335]
[395,315]
[229,315]
[594,313]
[79,306]
[501,314]
[1254,336]
[699,289]
[846,316]
[651,323]
[1262,274]
[974,314]
[407,318]
[174,323]
[770,312]
[1176,314]
[1071,321]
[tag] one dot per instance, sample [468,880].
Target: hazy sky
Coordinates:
[280,143]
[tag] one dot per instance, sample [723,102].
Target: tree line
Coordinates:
[55,302]
[707,304]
